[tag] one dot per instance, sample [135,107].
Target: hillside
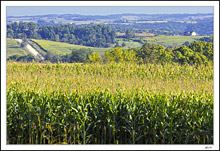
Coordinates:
[64,48]
[169,41]
[13,48]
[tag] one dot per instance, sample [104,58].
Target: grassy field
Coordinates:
[129,43]
[168,41]
[64,48]
[109,104]
[13,48]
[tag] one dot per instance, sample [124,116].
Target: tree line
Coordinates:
[94,35]
[195,53]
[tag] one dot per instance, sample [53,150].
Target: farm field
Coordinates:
[64,48]
[129,43]
[13,48]
[109,103]
[168,41]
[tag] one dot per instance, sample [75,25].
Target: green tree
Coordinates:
[108,56]
[129,34]
[24,42]
[123,44]
[94,57]
[118,54]
[80,55]
[130,56]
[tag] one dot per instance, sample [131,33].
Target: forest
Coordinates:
[95,35]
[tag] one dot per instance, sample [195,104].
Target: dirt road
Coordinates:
[31,49]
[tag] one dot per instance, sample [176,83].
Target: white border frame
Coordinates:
[4,4]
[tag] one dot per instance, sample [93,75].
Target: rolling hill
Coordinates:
[13,48]
[64,48]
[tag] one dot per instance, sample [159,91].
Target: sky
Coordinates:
[39,10]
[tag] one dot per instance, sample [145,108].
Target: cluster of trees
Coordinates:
[195,53]
[119,54]
[96,35]
[27,58]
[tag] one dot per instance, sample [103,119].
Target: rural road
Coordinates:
[31,49]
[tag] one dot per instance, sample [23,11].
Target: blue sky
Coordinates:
[29,10]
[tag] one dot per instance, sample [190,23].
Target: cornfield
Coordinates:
[109,104]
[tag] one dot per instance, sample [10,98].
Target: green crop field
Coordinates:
[168,41]
[13,48]
[116,103]
[64,48]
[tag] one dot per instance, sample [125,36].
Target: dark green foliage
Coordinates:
[80,55]
[51,57]
[24,42]
[27,58]
[129,34]
[17,30]
[207,39]
[95,35]
[186,43]
[123,44]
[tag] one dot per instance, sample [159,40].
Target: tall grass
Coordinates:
[109,104]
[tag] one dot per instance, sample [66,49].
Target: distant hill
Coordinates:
[87,19]
[200,23]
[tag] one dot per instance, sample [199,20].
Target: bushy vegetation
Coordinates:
[25,58]
[111,103]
